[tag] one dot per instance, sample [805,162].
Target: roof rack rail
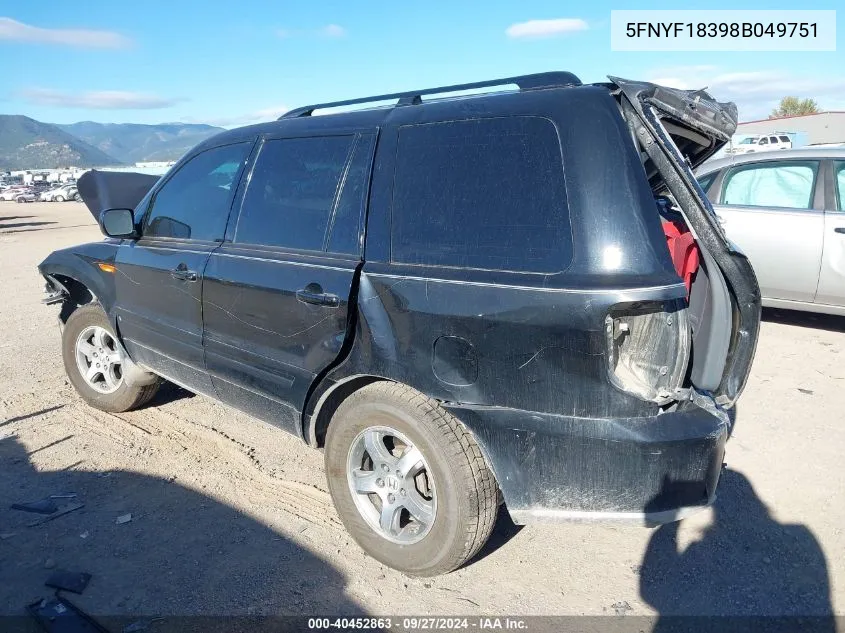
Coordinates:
[414,97]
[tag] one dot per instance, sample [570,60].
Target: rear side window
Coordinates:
[784,139]
[775,184]
[773,139]
[485,193]
[839,171]
[194,203]
[705,181]
[345,224]
[292,192]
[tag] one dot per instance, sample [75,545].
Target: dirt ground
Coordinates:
[231,516]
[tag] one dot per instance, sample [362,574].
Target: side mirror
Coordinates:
[118,223]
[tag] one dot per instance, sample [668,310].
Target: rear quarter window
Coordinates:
[483,193]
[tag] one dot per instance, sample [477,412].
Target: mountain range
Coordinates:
[29,144]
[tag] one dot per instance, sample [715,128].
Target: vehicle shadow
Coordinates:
[745,564]
[169,392]
[813,320]
[504,530]
[6,218]
[182,553]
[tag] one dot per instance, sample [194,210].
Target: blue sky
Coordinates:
[230,63]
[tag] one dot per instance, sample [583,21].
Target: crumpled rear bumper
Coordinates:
[557,468]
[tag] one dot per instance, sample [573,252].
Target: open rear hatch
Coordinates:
[677,130]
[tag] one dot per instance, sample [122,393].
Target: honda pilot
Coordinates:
[516,297]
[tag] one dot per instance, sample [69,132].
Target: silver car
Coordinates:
[786,211]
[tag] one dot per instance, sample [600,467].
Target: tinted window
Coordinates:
[194,202]
[705,181]
[292,192]
[773,139]
[784,139]
[487,193]
[345,224]
[776,184]
[839,169]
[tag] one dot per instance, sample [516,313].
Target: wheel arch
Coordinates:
[316,423]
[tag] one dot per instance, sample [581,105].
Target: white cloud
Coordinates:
[257,116]
[330,30]
[83,38]
[333,30]
[545,28]
[100,100]
[756,93]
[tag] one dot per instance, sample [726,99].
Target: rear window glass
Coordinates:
[485,193]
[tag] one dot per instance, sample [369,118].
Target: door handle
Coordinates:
[313,294]
[839,229]
[182,273]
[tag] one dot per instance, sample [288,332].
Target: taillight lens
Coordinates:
[648,345]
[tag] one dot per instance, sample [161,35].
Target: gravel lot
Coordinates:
[231,516]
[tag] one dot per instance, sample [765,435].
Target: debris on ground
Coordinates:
[6,535]
[123,518]
[43,506]
[621,608]
[75,581]
[64,495]
[49,563]
[59,512]
[60,615]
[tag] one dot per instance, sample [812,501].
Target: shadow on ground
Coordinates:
[828,322]
[18,225]
[182,553]
[745,564]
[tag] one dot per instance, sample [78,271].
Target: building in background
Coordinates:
[814,129]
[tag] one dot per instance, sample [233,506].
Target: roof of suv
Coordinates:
[302,120]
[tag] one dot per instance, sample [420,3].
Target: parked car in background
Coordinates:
[10,193]
[762,143]
[59,194]
[462,300]
[28,195]
[786,211]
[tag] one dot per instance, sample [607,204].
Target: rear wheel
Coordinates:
[94,363]
[408,480]
[59,199]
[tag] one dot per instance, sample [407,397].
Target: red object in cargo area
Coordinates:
[683,249]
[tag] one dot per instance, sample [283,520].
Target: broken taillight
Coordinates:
[648,345]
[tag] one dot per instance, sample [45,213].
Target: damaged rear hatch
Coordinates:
[675,131]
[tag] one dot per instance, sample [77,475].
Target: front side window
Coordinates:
[292,192]
[776,184]
[194,203]
[483,193]
[764,141]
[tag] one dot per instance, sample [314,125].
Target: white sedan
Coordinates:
[786,211]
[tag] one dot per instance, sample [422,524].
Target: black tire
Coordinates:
[467,494]
[124,398]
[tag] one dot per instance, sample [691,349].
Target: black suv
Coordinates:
[521,296]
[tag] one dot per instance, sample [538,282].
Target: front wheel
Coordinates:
[94,363]
[59,199]
[408,480]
